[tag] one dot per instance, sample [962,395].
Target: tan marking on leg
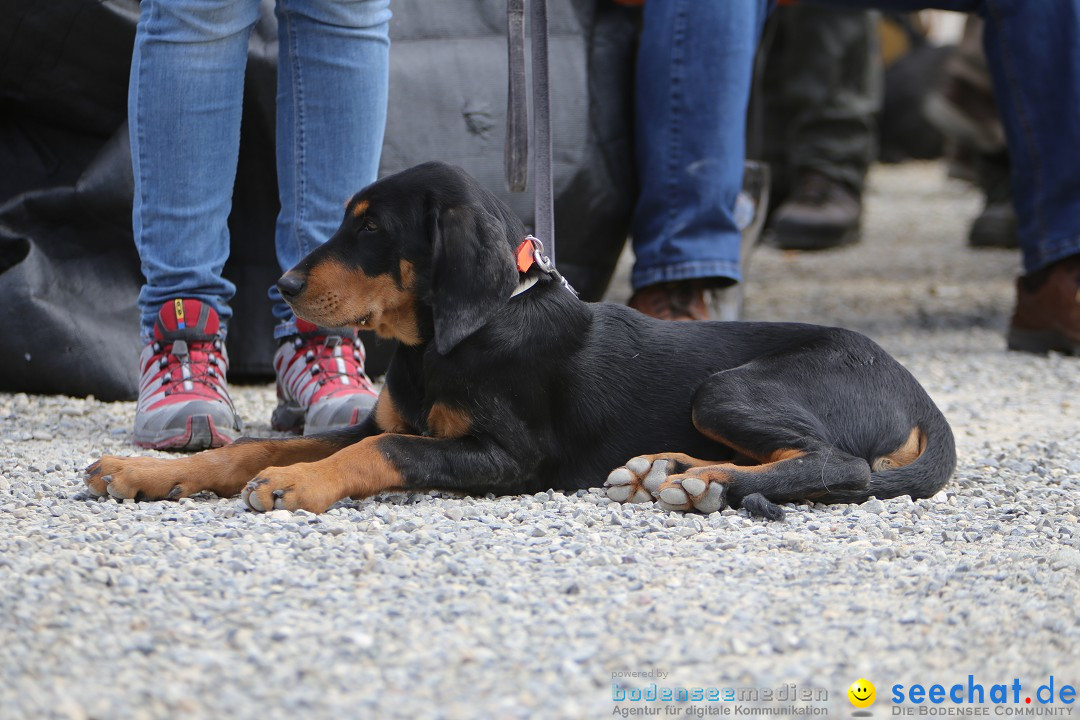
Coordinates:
[223,471]
[681,458]
[717,438]
[716,473]
[787,454]
[906,454]
[721,472]
[448,422]
[358,471]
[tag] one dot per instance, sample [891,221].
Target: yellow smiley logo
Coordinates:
[862,693]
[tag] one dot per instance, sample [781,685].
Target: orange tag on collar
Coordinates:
[524,255]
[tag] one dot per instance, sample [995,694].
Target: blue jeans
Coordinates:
[691,125]
[184,108]
[693,76]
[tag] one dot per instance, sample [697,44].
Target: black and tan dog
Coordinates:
[505,382]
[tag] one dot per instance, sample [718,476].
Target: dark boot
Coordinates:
[996,225]
[1047,315]
[821,213]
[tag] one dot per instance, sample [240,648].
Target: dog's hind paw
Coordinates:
[688,492]
[662,479]
[624,486]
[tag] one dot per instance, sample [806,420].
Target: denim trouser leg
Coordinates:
[184,105]
[693,84]
[333,72]
[691,126]
[1033,51]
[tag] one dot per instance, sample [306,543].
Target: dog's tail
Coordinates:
[928,472]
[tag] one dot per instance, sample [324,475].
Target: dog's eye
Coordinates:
[369,225]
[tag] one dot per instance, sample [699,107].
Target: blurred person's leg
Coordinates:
[828,74]
[963,108]
[1033,51]
[1037,87]
[693,83]
[333,72]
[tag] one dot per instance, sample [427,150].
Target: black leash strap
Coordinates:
[516,151]
[517,143]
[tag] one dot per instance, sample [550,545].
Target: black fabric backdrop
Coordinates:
[69,274]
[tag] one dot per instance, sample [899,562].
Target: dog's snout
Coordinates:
[291,285]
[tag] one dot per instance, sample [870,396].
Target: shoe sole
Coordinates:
[1041,342]
[290,417]
[199,433]
[810,240]
[354,419]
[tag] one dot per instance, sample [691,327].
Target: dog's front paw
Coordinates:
[139,478]
[689,492]
[296,487]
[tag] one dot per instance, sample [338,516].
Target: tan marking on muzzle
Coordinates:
[339,296]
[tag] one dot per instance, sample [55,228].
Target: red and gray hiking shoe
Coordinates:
[184,399]
[321,382]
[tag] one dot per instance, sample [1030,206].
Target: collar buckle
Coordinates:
[531,252]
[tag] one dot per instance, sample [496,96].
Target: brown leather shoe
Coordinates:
[1047,315]
[679,300]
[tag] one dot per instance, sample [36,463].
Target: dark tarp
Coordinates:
[69,274]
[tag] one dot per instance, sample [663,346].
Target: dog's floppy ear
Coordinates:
[472,272]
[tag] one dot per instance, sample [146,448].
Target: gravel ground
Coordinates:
[434,606]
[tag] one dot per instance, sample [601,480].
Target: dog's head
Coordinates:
[426,254]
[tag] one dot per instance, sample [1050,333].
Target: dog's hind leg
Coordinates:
[787,451]
[783,451]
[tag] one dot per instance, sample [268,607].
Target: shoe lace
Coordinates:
[197,362]
[333,362]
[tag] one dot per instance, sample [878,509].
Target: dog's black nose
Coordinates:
[290,285]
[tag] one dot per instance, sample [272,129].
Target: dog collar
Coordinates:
[524,285]
[529,254]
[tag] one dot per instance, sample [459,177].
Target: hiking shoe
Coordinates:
[184,401]
[996,225]
[1047,314]
[321,383]
[821,213]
